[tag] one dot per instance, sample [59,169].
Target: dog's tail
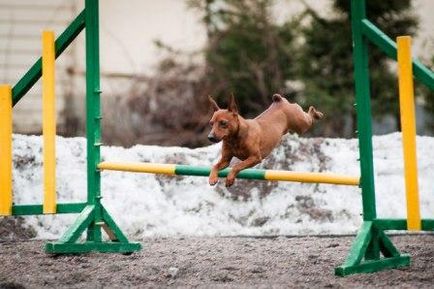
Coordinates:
[315,114]
[277,97]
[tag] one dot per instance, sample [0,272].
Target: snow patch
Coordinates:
[156,205]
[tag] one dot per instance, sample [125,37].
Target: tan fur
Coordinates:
[251,140]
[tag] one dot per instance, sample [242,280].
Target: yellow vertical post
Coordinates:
[5,150]
[49,122]
[408,127]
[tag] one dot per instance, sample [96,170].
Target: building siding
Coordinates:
[21,26]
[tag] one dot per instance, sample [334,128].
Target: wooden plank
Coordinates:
[408,128]
[49,121]
[5,150]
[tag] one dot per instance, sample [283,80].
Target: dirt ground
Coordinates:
[223,262]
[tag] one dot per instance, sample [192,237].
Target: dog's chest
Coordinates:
[239,150]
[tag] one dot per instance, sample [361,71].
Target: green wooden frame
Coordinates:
[372,250]
[93,218]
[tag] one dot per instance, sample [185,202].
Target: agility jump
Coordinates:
[371,241]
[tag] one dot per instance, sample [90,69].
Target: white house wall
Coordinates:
[21,26]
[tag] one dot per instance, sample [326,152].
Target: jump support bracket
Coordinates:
[88,221]
[365,254]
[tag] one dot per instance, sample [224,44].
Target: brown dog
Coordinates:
[251,140]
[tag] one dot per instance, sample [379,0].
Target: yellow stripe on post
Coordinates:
[49,122]
[307,177]
[408,127]
[5,150]
[151,168]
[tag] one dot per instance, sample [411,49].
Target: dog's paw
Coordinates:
[229,182]
[213,180]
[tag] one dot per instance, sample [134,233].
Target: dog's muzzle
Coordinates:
[212,138]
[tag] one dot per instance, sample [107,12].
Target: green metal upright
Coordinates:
[94,216]
[93,117]
[363,107]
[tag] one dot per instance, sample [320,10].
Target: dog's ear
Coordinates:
[214,104]
[232,107]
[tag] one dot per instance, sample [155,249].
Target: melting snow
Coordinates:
[156,205]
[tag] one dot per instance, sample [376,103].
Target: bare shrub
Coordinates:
[169,108]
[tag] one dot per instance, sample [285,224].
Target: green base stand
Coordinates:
[87,247]
[374,266]
[94,219]
[365,254]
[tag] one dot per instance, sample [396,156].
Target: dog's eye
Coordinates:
[223,123]
[211,123]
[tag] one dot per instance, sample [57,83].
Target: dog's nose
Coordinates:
[212,138]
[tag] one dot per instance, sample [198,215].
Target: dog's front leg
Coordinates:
[247,163]
[221,164]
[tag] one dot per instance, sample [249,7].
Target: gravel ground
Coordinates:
[232,262]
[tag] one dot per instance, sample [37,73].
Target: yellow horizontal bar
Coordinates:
[151,168]
[5,150]
[307,177]
[155,168]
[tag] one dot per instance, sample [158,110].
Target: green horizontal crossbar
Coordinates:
[185,170]
[35,72]
[401,224]
[24,210]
